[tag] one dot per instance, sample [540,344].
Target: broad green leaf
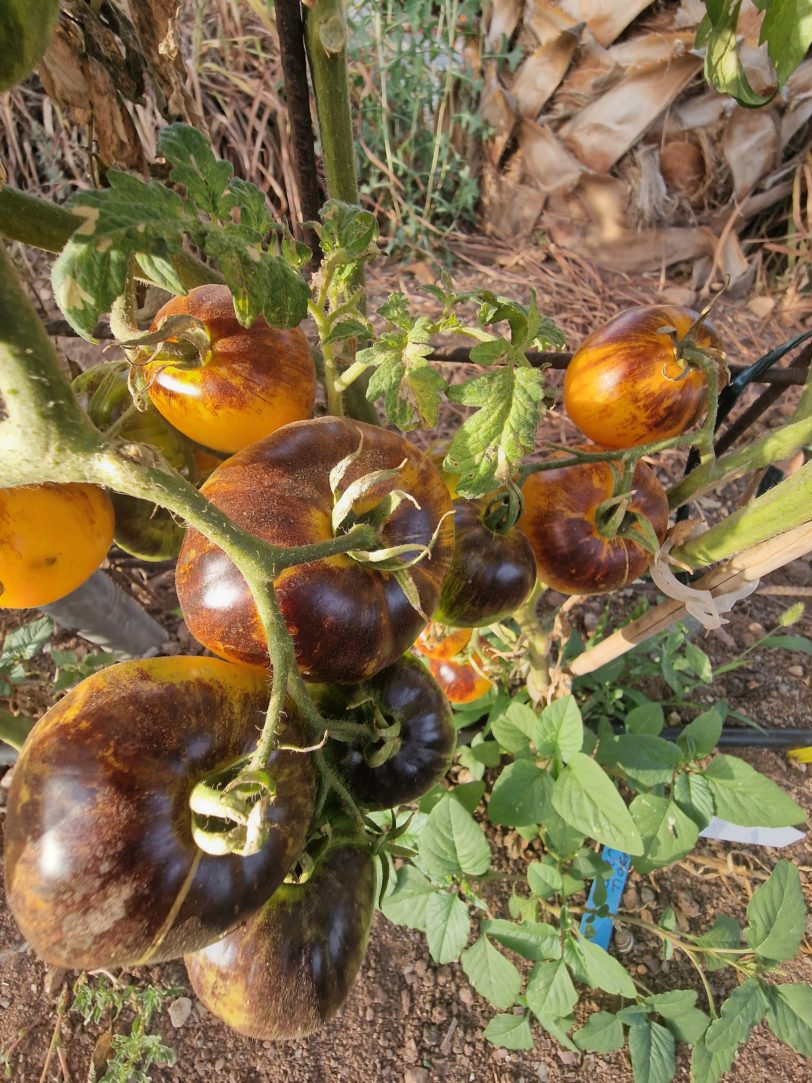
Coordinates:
[550,992]
[530,939]
[510,1032]
[777,914]
[560,838]
[712,1056]
[487,752]
[787,29]
[724,933]
[492,442]
[602,1033]
[694,796]
[678,1010]
[516,728]
[469,794]
[790,1016]
[452,842]
[651,1047]
[544,879]
[406,903]
[557,1028]
[562,731]
[491,974]
[723,67]
[584,795]
[447,926]
[647,760]
[604,971]
[521,795]
[743,796]
[700,737]
[648,718]
[668,834]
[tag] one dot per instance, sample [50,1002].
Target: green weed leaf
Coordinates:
[447,926]
[777,914]
[651,1047]
[602,1033]
[789,1016]
[491,974]
[510,1032]
[743,796]
[406,903]
[521,795]
[584,796]
[452,842]
[667,833]
[532,940]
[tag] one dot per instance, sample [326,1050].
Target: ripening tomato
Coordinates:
[627,386]
[252,380]
[491,573]
[289,968]
[348,619]
[52,538]
[461,681]
[102,869]
[561,519]
[435,641]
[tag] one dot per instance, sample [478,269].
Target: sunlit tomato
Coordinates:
[626,385]
[251,382]
[289,968]
[491,573]
[406,697]
[101,866]
[348,619]
[436,641]
[462,681]
[52,538]
[561,516]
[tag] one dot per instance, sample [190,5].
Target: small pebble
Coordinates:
[416,1075]
[795,671]
[179,1011]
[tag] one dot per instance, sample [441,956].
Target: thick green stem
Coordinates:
[787,505]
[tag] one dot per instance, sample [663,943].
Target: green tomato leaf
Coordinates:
[700,737]
[452,842]
[411,389]
[491,974]
[448,925]
[668,834]
[510,1032]
[490,445]
[205,178]
[345,226]
[406,903]
[550,992]
[777,914]
[584,796]
[530,939]
[562,730]
[602,1033]
[743,796]
[521,795]
[26,642]
[651,1047]
[789,1016]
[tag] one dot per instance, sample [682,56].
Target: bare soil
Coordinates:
[408,1020]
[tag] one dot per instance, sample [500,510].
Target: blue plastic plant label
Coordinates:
[599,929]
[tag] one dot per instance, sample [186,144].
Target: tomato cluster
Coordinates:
[105,857]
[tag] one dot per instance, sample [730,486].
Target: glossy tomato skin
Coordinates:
[289,968]
[435,641]
[252,381]
[491,574]
[624,386]
[348,620]
[52,538]
[560,519]
[101,868]
[405,693]
[461,681]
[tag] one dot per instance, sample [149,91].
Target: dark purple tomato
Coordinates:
[491,573]
[101,866]
[289,968]
[347,619]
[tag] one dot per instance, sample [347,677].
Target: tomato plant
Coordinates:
[633,381]
[248,382]
[567,512]
[491,574]
[102,865]
[52,538]
[289,968]
[349,618]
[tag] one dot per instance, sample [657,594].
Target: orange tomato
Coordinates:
[252,381]
[435,641]
[52,538]
[461,681]
[626,384]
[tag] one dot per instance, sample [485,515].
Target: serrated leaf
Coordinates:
[651,1047]
[787,29]
[347,226]
[789,1016]
[516,728]
[26,642]
[510,1032]
[647,760]
[452,842]
[712,1056]
[194,165]
[530,939]
[406,903]
[490,445]
[743,796]
[724,933]
[448,925]
[667,833]
[583,794]
[694,796]
[602,1033]
[491,974]
[700,737]
[562,730]
[678,1010]
[521,795]
[777,914]
[550,992]
[412,392]
[603,971]
[648,718]
[344,329]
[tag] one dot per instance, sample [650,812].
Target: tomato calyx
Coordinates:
[616,518]
[379,733]
[503,511]
[230,810]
